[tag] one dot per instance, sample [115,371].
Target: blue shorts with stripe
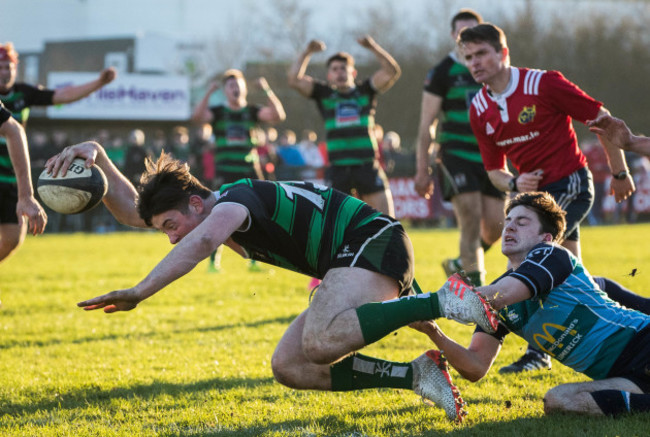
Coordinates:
[575,195]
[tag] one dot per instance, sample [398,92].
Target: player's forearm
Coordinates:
[199,115]
[500,179]
[121,196]
[467,362]
[425,150]
[640,145]
[298,68]
[19,156]
[73,93]
[278,113]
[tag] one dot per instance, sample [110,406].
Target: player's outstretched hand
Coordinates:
[107,75]
[87,151]
[424,184]
[316,46]
[613,129]
[367,42]
[36,216]
[118,300]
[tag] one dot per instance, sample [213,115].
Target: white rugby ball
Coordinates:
[79,190]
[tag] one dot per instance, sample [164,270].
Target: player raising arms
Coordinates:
[348,108]
[364,258]
[548,298]
[17,98]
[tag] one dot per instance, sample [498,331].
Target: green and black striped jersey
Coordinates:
[17,101]
[299,226]
[235,144]
[349,121]
[452,81]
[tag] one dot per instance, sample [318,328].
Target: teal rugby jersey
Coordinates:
[569,317]
[17,101]
[349,120]
[452,81]
[299,226]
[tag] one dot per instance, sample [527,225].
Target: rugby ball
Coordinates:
[79,190]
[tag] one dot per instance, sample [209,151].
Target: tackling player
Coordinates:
[364,258]
[548,298]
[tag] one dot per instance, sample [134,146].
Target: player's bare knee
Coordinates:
[316,350]
[282,370]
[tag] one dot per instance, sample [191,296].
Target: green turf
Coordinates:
[194,360]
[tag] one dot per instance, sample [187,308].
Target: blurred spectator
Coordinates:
[39,151]
[267,152]
[288,150]
[291,160]
[309,149]
[180,146]
[136,152]
[391,147]
[116,151]
[203,149]
[159,143]
[311,154]
[597,163]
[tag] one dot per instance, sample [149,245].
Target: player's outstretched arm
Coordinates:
[472,362]
[429,110]
[77,92]
[215,230]
[384,78]
[298,80]
[618,133]
[202,113]
[27,205]
[620,188]
[273,111]
[121,196]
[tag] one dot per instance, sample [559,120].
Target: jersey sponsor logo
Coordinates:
[527,114]
[345,253]
[348,114]
[236,134]
[540,252]
[568,339]
[520,139]
[489,130]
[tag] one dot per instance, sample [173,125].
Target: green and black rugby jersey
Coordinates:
[349,120]
[299,226]
[17,101]
[232,131]
[452,81]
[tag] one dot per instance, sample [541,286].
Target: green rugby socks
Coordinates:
[378,319]
[357,372]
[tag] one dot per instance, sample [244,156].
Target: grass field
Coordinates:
[194,360]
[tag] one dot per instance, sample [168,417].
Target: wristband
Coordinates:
[512,185]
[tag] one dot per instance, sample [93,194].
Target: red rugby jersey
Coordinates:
[530,123]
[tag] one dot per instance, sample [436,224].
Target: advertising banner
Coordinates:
[128,97]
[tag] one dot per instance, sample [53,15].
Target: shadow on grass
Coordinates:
[12,344]
[94,395]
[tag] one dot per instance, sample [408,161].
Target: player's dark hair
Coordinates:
[465,14]
[484,32]
[342,57]
[165,185]
[551,216]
